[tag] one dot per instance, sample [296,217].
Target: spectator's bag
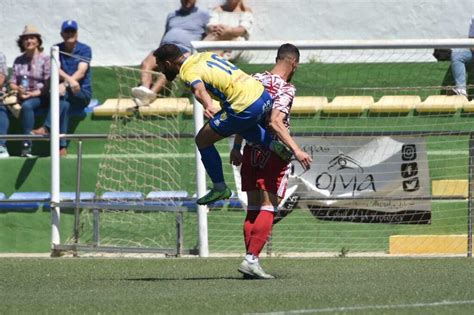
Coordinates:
[10,100]
[442,54]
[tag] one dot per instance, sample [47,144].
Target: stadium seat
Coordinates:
[26,200]
[308,104]
[469,107]
[122,196]
[74,111]
[115,107]
[428,244]
[395,104]
[449,187]
[168,107]
[234,202]
[168,198]
[92,104]
[348,105]
[71,196]
[441,104]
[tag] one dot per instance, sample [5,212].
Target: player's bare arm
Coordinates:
[199,90]
[278,127]
[235,153]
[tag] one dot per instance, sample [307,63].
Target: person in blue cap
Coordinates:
[75,77]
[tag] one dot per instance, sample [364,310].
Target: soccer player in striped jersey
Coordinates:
[264,175]
[244,104]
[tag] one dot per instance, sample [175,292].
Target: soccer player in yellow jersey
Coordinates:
[244,105]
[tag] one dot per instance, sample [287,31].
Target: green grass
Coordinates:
[24,232]
[213,286]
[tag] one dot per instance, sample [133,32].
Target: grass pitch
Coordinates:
[213,286]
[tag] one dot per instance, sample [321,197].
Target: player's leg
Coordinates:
[459,59]
[211,159]
[146,93]
[257,228]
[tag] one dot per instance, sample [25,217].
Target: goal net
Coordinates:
[391,147]
[390,143]
[144,176]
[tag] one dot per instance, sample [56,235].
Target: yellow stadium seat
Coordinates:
[449,187]
[348,105]
[115,107]
[442,103]
[395,104]
[469,107]
[428,244]
[308,104]
[167,107]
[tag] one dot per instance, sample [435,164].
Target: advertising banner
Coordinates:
[362,179]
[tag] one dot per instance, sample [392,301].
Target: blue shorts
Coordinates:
[227,123]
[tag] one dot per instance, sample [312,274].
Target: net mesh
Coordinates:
[390,144]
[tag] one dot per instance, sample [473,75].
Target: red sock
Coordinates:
[248,227]
[260,231]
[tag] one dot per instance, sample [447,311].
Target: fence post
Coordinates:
[469,194]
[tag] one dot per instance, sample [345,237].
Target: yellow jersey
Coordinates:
[233,88]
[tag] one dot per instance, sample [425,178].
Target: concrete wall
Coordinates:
[124,31]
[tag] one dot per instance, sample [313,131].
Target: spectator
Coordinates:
[75,75]
[30,78]
[460,58]
[231,21]
[4,121]
[184,25]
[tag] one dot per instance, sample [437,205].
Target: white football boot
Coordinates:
[143,96]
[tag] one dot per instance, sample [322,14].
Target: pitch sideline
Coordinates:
[367,307]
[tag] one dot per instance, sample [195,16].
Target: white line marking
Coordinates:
[448,152]
[366,307]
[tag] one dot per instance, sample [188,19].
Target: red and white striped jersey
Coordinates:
[282,93]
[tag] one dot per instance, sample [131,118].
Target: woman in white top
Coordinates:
[232,20]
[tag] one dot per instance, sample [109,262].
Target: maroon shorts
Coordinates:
[262,169]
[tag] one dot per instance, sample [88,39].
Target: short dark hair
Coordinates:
[167,52]
[288,50]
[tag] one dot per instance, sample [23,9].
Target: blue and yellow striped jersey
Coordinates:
[232,87]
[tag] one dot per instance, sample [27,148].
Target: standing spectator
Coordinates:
[75,75]
[184,25]
[231,21]
[4,121]
[30,78]
[264,175]
[460,58]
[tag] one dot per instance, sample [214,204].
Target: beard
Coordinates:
[170,75]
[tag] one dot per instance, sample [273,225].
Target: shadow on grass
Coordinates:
[184,279]
[25,171]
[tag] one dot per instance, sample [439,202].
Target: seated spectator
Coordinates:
[231,21]
[460,58]
[75,76]
[184,25]
[4,120]
[30,78]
